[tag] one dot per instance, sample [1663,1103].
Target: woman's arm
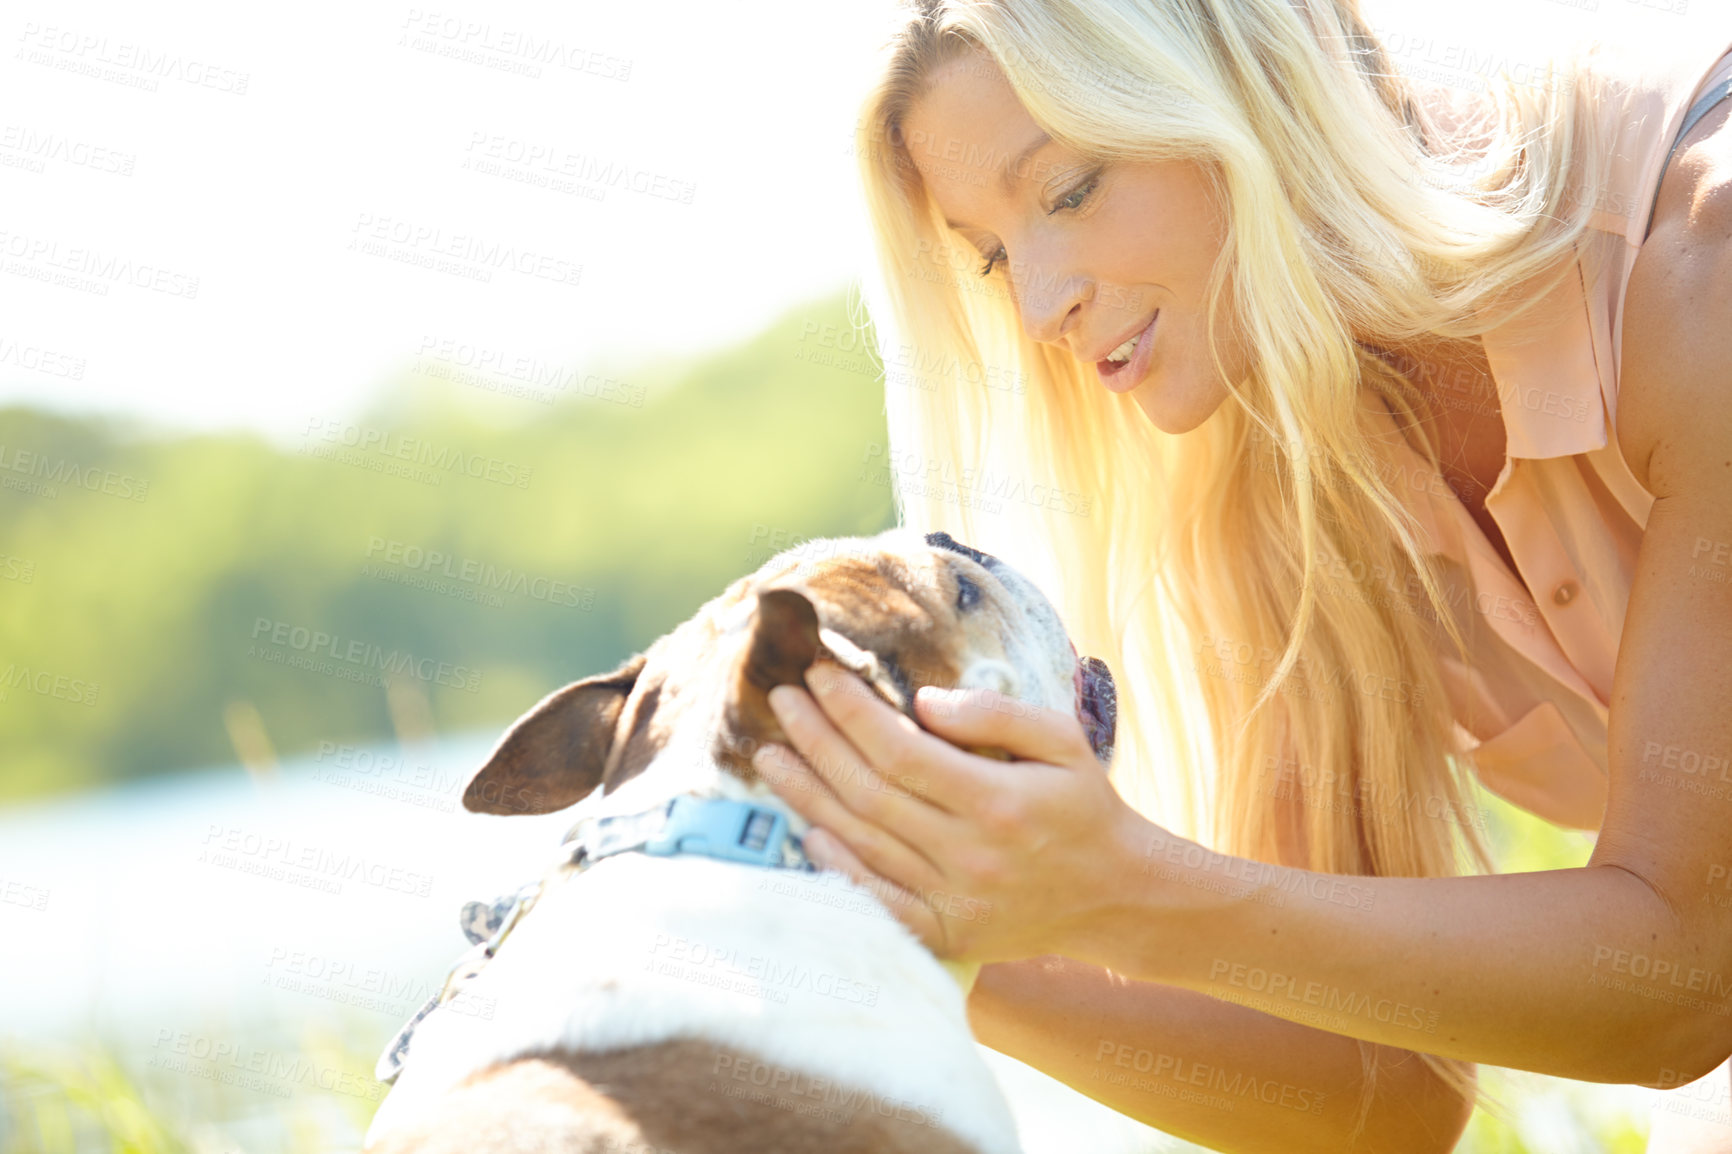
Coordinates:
[1620,971]
[1212,1073]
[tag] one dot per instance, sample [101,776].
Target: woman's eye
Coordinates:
[998,256]
[1075,197]
[967,593]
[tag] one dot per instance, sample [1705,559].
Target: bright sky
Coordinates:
[213,219]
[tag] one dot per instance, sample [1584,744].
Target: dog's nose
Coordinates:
[991,674]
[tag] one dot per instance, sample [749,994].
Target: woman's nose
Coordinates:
[1049,300]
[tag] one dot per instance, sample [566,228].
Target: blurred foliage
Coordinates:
[65,1104]
[93,1097]
[653,493]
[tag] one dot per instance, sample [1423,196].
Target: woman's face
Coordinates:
[1095,257]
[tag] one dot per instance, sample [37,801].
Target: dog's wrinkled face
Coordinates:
[899,610]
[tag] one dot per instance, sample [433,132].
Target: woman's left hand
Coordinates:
[984,860]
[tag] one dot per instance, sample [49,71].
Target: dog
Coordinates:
[653,1001]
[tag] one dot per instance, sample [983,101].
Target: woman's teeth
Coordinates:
[1123,353]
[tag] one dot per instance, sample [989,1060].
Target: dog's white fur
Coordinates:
[596,966]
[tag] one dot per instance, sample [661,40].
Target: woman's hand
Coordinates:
[983,859]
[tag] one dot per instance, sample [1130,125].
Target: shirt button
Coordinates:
[1565,593]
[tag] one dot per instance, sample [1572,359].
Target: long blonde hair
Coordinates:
[1195,564]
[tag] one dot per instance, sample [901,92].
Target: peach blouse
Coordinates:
[1531,703]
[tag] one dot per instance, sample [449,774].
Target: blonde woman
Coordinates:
[1386,429]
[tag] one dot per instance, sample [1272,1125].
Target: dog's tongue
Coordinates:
[1097,705]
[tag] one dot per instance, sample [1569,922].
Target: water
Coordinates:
[216,924]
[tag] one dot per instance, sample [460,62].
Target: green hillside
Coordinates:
[151,587]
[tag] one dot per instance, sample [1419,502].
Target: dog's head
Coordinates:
[900,610]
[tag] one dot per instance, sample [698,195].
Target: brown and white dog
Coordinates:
[661,1004]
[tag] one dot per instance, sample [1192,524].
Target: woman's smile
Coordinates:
[1125,367]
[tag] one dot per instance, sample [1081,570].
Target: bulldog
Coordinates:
[683,979]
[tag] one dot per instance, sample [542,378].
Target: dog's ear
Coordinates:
[554,755]
[784,643]
[784,640]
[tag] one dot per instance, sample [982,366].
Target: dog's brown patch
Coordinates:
[670,1098]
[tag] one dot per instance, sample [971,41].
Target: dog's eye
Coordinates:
[967,593]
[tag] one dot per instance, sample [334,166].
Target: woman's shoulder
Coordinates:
[1679,297]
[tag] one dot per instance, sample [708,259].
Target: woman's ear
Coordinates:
[554,755]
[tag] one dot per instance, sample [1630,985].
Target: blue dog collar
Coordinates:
[715,827]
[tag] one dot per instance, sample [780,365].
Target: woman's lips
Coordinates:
[1123,378]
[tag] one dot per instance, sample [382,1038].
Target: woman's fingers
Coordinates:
[814,799]
[975,717]
[907,759]
[895,791]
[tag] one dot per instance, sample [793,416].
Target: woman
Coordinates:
[1374,428]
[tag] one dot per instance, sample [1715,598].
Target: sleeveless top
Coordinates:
[1531,703]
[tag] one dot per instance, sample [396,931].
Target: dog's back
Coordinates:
[783,995]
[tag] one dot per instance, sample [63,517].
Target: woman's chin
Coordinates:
[1176,407]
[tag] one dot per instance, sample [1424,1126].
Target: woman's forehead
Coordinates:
[969,137]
